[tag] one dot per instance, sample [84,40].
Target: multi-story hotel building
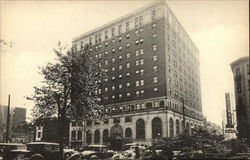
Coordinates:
[152,69]
[240,69]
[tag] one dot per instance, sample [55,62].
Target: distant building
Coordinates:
[240,69]
[76,137]
[17,118]
[152,66]
[46,130]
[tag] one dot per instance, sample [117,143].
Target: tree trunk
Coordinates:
[61,135]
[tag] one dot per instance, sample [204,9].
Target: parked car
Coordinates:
[93,152]
[12,151]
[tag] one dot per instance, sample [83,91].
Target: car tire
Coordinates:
[67,155]
[37,157]
[94,158]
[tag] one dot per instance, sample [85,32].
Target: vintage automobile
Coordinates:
[93,152]
[12,151]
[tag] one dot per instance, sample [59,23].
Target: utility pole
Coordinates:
[8,121]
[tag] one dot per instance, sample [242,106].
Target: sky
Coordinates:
[220,30]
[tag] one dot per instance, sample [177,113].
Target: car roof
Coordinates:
[97,145]
[11,144]
[48,143]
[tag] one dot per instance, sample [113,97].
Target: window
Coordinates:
[155,89]
[154,47]
[90,41]
[128,119]
[128,55]
[137,42]
[106,89]
[128,74]
[127,45]
[137,83]
[128,94]
[153,25]
[137,93]
[113,78]
[137,62]
[113,59]
[113,50]
[113,96]
[156,104]
[116,120]
[137,53]
[142,71]
[113,40]
[120,95]
[106,35]
[97,137]
[141,40]
[154,58]
[73,135]
[128,65]
[106,62]
[120,57]
[142,91]
[120,67]
[113,32]
[155,80]
[128,84]
[156,128]
[127,36]
[136,23]
[142,82]
[106,52]
[155,68]
[153,15]
[140,129]
[127,26]
[141,30]
[113,88]
[113,68]
[141,62]
[137,72]
[141,52]
[120,48]
[154,35]
[140,20]
[119,29]
[120,86]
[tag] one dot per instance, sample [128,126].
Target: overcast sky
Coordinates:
[220,30]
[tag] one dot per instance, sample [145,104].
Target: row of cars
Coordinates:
[50,151]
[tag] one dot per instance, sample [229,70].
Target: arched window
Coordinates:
[149,105]
[140,129]
[171,127]
[105,136]
[162,104]
[187,127]
[177,127]
[88,137]
[156,128]
[128,133]
[97,137]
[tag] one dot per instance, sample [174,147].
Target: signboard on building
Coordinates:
[228,111]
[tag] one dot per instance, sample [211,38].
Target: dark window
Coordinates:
[97,137]
[162,104]
[79,135]
[89,123]
[105,136]
[119,29]
[73,123]
[106,121]
[149,105]
[116,120]
[171,127]
[177,127]
[73,135]
[128,119]
[113,32]
[88,137]
[156,128]
[128,133]
[140,129]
